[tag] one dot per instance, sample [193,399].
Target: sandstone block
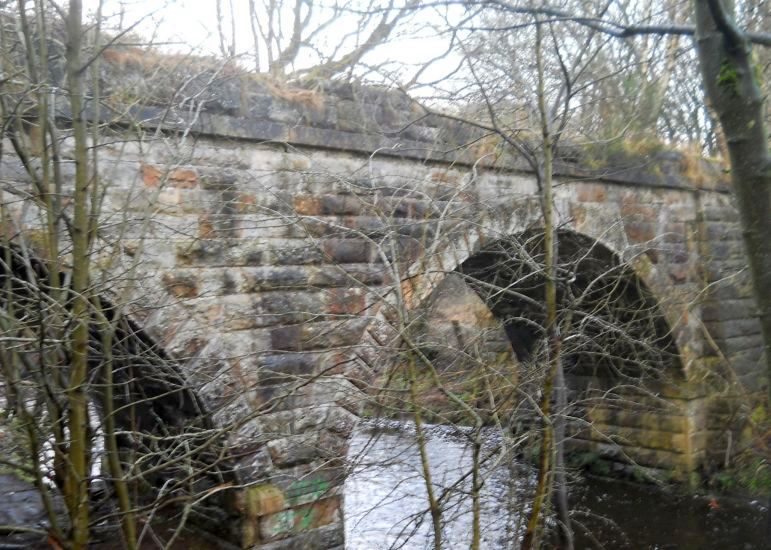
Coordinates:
[303,518]
[347,250]
[181,284]
[295,449]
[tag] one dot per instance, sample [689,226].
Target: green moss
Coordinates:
[619,152]
[728,77]
[724,481]
[751,476]
[759,415]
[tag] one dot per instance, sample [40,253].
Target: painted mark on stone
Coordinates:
[306,490]
[283,522]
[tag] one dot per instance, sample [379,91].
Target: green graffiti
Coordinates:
[306,490]
[306,521]
[282,523]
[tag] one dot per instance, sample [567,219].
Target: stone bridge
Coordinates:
[276,246]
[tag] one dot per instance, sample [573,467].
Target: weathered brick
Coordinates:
[199,252]
[347,250]
[183,178]
[342,301]
[295,449]
[303,255]
[287,338]
[274,278]
[217,179]
[317,335]
[639,212]
[255,464]
[279,369]
[151,175]
[205,226]
[640,232]
[732,328]
[261,500]
[345,274]
[307,205]
[340,205]
[180,284]
[303,518]
[728,309]
[591,192]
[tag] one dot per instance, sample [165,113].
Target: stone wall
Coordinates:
[265,245]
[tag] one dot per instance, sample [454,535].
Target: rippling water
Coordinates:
[386,505]
[385,499]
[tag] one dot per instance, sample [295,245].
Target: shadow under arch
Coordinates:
[606,311]
[158,415]
[622,365]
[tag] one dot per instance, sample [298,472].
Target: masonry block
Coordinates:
[347,250]
[181,284]
[154,176]
[301,519]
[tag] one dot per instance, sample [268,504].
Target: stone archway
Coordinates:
[159,420]
[627,384]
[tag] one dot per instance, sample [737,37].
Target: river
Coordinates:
[386,505]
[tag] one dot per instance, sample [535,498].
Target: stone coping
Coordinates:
[454,143]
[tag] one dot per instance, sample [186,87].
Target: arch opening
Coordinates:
[611,324]
[623,371]
[167,446]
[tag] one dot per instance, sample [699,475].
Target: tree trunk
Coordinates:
[730,80]
[554,341]
[76,481]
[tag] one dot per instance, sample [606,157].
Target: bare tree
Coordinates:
[311,40]
[72,357]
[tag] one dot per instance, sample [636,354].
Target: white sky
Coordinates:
[184,24]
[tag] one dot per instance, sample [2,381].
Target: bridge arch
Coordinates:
[152,402]
[610,229]
[261,276]
[626,369]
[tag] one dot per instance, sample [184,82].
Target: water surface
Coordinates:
[386,505]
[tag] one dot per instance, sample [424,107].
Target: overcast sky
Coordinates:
[182,25]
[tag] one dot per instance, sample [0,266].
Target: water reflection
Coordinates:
[386,505]
[385,498]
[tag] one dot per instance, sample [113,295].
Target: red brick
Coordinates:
[184,178]
[181,286]
[641,212]
[246,202]
[591,192]
[151,176]
[205,227]
[639,232]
